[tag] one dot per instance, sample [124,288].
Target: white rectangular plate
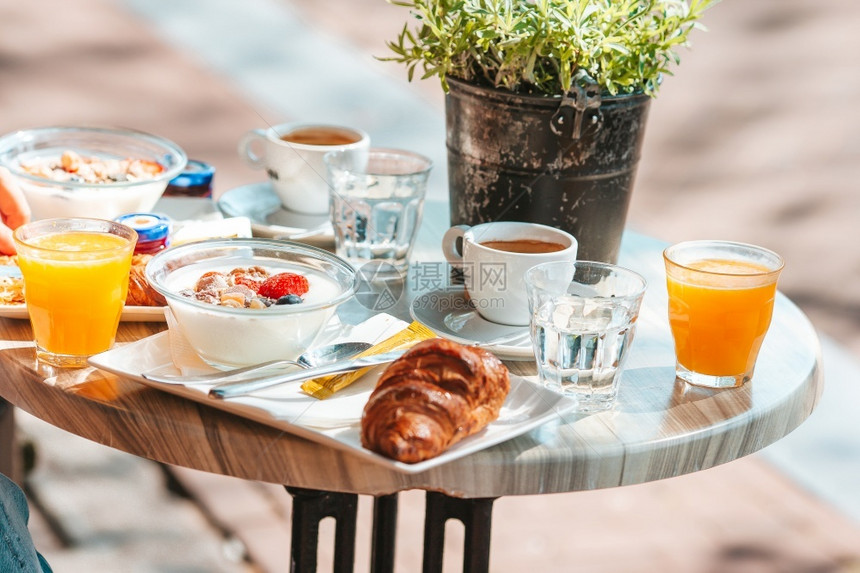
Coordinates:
[334,422]
[129,313]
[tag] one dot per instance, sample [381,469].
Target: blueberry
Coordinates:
[289,299]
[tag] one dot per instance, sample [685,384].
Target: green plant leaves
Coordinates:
[537,46]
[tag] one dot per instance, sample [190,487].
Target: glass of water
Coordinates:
[375,203]
[583,319]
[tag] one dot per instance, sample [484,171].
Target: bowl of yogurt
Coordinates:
[98,172]
[245,301]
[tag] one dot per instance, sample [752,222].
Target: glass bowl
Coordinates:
[51,199]
[227,337]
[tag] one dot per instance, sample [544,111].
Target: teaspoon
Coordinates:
[310,359]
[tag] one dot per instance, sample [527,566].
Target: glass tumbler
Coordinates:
[376,204]
[583,321]
[75,284]
[721,297]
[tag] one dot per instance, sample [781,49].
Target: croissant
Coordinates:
[140,292]
[435,395]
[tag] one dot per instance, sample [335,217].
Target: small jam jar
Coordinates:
[194,181]
[153,231]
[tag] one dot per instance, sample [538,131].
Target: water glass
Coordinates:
[721,297]
[75,281]
[375,204]
[583,320]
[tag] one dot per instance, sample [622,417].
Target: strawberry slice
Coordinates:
[150,167]
[283,284]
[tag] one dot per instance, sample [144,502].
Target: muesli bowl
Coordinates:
[131,172]
[227,336]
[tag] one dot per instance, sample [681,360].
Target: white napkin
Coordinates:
[375,329]
[216,228]
[288,403]
[186,360]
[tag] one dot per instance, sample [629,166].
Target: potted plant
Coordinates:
[546,103]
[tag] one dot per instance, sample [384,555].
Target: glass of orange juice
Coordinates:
[75,283]
[721,297]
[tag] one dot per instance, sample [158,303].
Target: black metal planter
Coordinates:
[565,162]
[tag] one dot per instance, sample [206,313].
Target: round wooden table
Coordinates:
[659,428]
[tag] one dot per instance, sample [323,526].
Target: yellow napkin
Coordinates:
[323,388]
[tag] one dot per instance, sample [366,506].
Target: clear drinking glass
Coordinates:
[75,284]
[376,205]
[583,320]
[721,297]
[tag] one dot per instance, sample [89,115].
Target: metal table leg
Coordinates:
[384,534]
[312,506]
[309,508]
[476,516]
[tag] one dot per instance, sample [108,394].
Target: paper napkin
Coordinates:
[373,330]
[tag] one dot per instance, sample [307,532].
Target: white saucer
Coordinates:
[449,314]
[259,203]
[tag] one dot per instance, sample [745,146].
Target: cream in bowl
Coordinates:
[245,301]
[90,171]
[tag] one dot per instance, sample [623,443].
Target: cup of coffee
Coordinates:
[494,258]
[292,155]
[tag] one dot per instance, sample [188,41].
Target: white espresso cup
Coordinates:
[292,155]
[494,258]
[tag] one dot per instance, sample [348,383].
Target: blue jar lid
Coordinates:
[195,173]
[149,226]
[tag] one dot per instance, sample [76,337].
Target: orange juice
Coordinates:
[720,315]
[75,285]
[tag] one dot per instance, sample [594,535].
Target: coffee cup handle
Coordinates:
[246,148]
[449,245]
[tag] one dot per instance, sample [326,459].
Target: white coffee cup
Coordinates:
[292,155]
[494,269]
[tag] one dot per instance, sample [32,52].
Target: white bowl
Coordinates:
[49,199]
[228,337]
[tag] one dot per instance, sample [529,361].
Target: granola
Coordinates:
[11,287]
[75,168]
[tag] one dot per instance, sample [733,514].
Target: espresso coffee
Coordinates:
[529,246]
[321,136]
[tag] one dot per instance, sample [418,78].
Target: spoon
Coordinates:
[243,387]
[313,358]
